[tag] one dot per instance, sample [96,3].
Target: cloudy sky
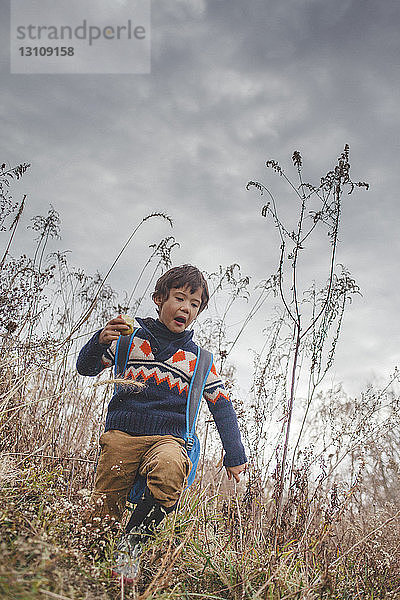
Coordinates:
[232,84]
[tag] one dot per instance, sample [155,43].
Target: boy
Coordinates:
[143,428]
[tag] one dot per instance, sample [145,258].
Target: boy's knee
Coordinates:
[166,474]
[165,493]
[168,464]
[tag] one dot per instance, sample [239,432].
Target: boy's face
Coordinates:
[180,309]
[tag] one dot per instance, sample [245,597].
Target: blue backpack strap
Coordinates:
[202,369]
[203,366]
[122,351]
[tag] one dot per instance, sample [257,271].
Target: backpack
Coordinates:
[202,369]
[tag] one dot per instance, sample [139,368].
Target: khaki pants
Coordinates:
[162,459]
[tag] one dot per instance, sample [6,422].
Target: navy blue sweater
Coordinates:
[165,362]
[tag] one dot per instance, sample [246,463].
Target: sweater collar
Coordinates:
[160,331]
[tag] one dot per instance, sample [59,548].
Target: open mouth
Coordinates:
[180,320]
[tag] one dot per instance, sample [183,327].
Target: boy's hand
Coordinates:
[113,330]
[235,471]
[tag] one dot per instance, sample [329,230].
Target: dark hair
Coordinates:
[185,275]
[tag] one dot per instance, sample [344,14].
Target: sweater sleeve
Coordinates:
[95,357]
[225,419]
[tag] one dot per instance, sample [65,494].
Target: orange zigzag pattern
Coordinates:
[172,382]
[219,395]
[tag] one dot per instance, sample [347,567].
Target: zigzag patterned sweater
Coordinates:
[165,361]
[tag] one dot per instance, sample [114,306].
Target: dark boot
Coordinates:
[147,515]
[142,509]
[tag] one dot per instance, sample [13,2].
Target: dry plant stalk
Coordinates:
[326,214]
[129,382]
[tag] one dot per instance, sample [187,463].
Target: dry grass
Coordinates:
[219,545]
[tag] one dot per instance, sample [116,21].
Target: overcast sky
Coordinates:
[232,84]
